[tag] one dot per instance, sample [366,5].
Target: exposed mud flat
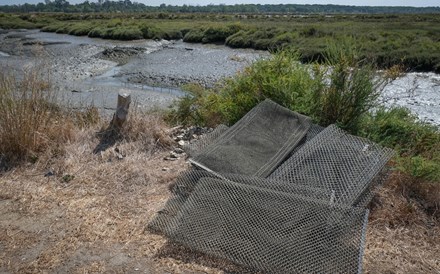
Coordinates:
[87,71]
[419,92]
[181,63]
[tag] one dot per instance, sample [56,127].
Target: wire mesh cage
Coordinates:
[336,161]
[265,229]
[303,214]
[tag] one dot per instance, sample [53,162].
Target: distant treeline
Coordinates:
[129,6]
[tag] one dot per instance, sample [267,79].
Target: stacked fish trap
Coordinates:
[275,193]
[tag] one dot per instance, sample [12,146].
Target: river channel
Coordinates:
[91,71]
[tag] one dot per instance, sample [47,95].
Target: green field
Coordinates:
[412,40]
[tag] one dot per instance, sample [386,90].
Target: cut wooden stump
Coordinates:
[121,114]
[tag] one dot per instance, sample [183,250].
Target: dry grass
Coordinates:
[30,121]
[90,215]
[401,237]
[95,221]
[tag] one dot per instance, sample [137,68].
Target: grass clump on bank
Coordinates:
[418,143]
[30,121]
[340,92]
[34,128]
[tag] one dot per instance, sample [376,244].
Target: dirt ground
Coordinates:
[87,213]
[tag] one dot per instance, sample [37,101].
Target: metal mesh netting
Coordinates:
[336,161]
[197,146]
[257,144]
[304,215]
[268,230]
[187,181]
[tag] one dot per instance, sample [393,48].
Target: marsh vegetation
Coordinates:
[410,40]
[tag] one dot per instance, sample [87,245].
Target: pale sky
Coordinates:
[414,3]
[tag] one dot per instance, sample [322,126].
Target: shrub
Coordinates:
[219,33]
[15,22]
[126,33]
[51,28]
[417,143]
[80,29]
[353,89]
[173,35]
[400,129]
[187,110]
[96,32]
[341,92]
[281,78]
[151,32]
[241,39]
[194,36]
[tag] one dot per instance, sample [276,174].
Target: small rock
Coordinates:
[170,159]
[173,155]
[181,143]
[178,150]
[165,169]
[49,173]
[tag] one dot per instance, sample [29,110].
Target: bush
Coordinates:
[51,28]
[400,129]
[194,36]
[173,35]
[151,32]
[194,109]
[282,79]
[15,22]
[417,143]
[219,33]
[353,89]
[341,92]
[80,29]
[117,33]
[240,39]
[126,33]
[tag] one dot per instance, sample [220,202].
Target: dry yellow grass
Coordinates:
[91,215]
[401,236]
[95,220]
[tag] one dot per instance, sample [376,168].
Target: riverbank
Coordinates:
[383,39]
[91,70]
[87,71]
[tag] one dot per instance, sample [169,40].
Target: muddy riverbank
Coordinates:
[90,71]
[86,71]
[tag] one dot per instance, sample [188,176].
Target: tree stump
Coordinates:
[121,114]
